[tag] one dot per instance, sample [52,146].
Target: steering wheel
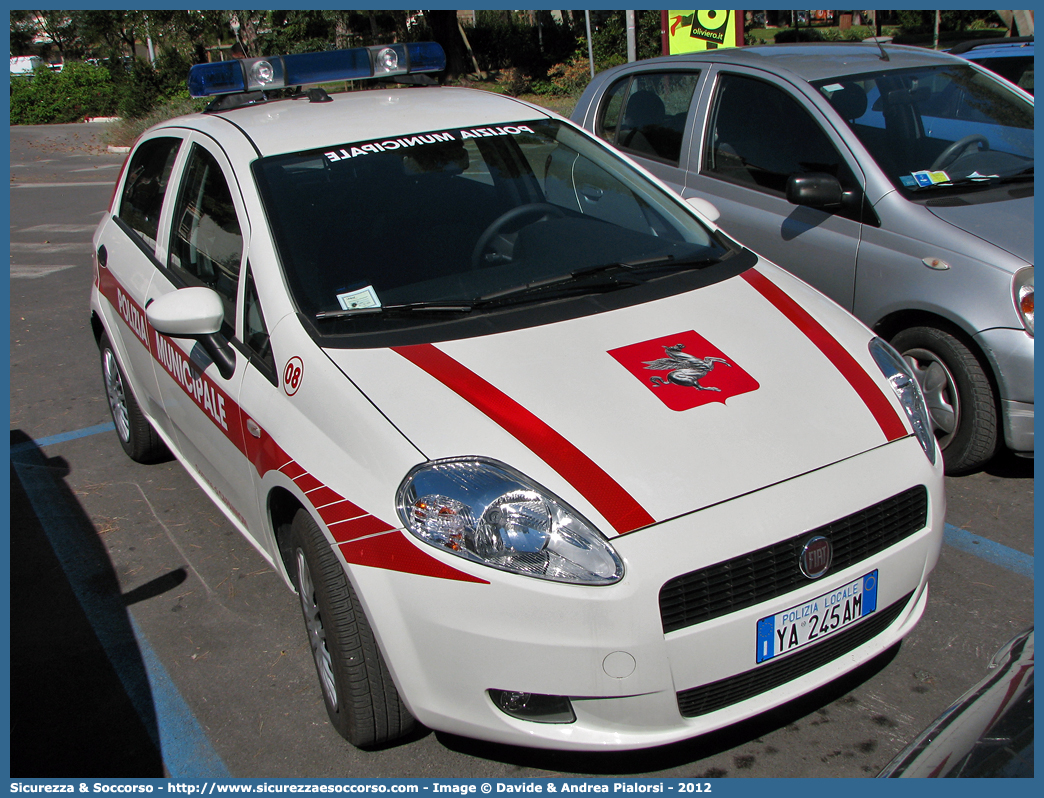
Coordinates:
[534,209]
[949,155]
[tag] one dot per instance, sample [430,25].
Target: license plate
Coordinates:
[816,619]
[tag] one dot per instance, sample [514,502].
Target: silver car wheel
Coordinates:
[940,392]
[316,630]
[117,396]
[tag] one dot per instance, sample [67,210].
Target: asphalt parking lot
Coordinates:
[147,635]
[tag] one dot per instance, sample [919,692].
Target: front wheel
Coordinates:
[958,393]
[137,437]
[358,691]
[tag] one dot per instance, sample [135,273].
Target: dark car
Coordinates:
[1011,58]
[987,732]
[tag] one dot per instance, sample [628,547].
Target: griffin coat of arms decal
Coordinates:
[685,370]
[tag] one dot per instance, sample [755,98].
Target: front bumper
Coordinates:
[1011,355]
[447,643]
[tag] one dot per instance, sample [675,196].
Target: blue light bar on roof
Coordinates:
[304,69]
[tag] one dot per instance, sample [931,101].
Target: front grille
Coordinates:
[707,698]
[774,570]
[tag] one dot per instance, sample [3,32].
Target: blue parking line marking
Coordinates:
[175,731]
[63,437]
[995,553]
[187,751]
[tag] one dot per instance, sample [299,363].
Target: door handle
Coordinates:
[103,256]
[253,428]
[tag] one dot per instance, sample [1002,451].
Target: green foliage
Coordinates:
[856,33]
[503,42]
[84,90]
[954,20]
[80,90]
[126,131]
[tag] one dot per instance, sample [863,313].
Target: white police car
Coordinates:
[549,459]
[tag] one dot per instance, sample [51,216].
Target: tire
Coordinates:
[358,691]
[959,395]
[137,437]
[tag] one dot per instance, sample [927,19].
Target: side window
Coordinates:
[146,185]
[255,331]
[645,113]
[206,243]
[760,135]
[608,119]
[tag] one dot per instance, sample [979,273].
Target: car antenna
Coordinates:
[884,55]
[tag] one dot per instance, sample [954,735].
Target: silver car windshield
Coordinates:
[456,220]
[938,128]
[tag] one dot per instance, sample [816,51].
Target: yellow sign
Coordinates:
[691,31]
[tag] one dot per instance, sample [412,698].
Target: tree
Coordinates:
[59,27]
[446,32]
[116,31]
[247,25]
[23,31]
[189,33]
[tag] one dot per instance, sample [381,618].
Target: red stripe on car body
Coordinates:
[610,499]
[343,510]
[873,397]
[267,455]
[356,528]
[320,497]
[394,551]
[307,482]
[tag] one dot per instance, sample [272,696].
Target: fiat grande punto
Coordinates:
[548,458]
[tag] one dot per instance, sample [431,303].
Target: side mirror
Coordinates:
[187,312]
[705,208]
[195,312]
[815,191]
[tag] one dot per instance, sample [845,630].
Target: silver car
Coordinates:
[896,180]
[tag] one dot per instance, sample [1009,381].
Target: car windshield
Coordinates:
[470,219]
[936,129]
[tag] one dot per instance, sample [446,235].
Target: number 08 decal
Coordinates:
[293,373]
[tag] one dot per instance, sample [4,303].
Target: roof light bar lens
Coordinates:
[261,72]
[426,57]
[303,69]
[389,60]
[223,77]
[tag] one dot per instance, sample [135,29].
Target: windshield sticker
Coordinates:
[976,176]
[360,299]
[389,145]
[925,178]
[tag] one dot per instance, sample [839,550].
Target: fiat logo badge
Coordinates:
[815,557]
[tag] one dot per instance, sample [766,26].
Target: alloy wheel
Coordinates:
[316,630]
[940,392]
[117,396]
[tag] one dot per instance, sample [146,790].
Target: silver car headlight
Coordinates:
[488,513]
[899,376]
[1022,291]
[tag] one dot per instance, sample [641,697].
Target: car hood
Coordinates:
[1007,224]
[589,409]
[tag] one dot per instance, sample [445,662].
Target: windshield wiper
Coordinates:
[405,307]
[601,278]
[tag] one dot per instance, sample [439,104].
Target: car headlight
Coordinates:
[486,512]
[1022,290]
[901,378]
